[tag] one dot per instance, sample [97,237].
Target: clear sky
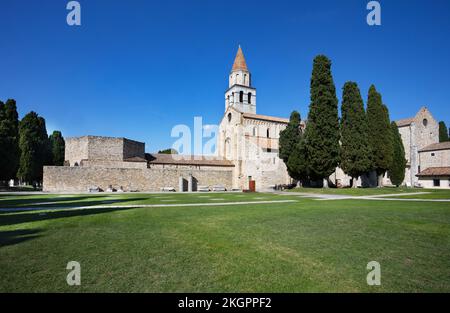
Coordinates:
[137,68]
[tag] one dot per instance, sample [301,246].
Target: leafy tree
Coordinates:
[443,135]
[34,146]
[9,140]
[322,129]
[397,168]
[168,151]
[380,135]
[57,145]
[355,153]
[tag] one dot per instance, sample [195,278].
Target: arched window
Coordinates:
[425,122]
[229,117]
[249,97]
[241,96]
[268,132]
[228,100]
[254,131]
[245,79]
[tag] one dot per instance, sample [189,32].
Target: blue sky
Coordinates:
[137,68]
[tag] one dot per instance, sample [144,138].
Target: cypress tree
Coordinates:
[355,153]
[443,135]
[397,169]
[34,146]
[9,140]
[289,137]
[380,135]
[322,128]
[57,145]
[297,164]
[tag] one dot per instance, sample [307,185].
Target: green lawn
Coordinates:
[366,191]
[303,246]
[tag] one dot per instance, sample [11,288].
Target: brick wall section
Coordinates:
[79,179]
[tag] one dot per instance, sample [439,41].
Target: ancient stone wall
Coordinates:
[79,179]
[133,148]
[101,148]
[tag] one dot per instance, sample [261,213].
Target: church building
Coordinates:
[247,154]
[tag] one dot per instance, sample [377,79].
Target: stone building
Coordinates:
[247,139]
[247,150]
[428,161]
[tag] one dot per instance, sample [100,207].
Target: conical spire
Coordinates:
[239,62]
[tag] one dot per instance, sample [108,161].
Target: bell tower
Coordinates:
[240,94]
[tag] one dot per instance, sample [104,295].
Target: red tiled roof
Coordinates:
[435,171]
[404,122]
[239,62]
[177,159]
[266,118]
[436,146]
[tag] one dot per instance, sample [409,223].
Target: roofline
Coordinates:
[239,85]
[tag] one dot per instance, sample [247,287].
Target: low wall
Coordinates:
[79,179]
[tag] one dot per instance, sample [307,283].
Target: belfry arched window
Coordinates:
[249,97]
[241,96]
[268,132]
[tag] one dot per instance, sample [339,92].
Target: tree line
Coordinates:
[25,146]
[359,142]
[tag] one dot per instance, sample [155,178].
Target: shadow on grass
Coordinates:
[13,219]
[68,202]
[13,237]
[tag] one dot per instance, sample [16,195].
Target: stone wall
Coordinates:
[438,158]
[79,179]
[101,148]
[76,150]
[133,148]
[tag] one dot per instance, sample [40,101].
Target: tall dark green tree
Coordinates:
[289,137]
[322,128]
[57,146]
[9,140]
[380,135]
[297,164]
[397,169]
[34,148]
[443,134]
[355,152]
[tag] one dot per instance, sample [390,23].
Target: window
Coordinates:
[241,96]
[269,149]
[436,182]
[245,79]
[229,117]
[425,122]
[268,132]
[254,131]
[249,95]
[432,154]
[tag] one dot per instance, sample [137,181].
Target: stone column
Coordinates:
[180,184]
[190,183]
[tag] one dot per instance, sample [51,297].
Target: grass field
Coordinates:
[360,191]
[300,246]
